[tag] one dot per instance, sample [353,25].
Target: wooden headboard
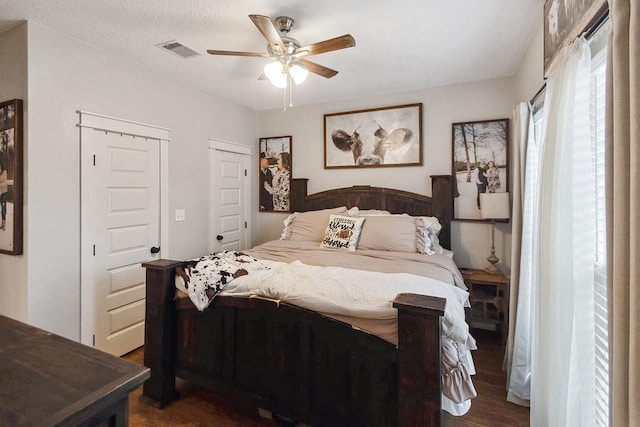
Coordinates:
[440,204]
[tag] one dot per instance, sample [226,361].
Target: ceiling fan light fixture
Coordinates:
[286,53]
[298,73]
[276,74]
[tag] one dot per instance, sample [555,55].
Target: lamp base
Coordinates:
[493,259]
[492,269]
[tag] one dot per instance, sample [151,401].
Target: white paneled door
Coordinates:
[229,201]
[120,200]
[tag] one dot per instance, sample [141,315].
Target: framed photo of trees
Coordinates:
[480,163]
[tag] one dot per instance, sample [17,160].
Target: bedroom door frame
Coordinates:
[101,122]
[247,153]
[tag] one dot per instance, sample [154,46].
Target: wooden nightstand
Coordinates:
[489,299]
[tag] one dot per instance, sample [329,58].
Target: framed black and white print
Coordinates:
[377,137]
[566,20]
[480,163]
[275,173]
[11,167]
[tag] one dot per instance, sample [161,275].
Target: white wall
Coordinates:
[66,75]
[13,84]
[442,106]
[530,74]
[529,78]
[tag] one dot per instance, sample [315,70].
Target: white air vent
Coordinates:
[178,49]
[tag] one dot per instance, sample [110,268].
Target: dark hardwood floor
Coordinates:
[490,407]
[200,407]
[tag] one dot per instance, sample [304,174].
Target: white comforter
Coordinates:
[352,293]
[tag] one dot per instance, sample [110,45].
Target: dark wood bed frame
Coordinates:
[296,362]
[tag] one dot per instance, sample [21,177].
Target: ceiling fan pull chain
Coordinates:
[284,98]
[290,91]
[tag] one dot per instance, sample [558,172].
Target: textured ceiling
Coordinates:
[400,46]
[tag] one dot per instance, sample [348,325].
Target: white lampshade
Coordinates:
[494,205]
[276,74]
[298,73]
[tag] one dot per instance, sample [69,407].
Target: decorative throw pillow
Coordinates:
[342,232]
[427,230]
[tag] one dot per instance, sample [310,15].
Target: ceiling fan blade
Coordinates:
[330,45]
[317,68]
[263,76]
[269,31]
[234,53]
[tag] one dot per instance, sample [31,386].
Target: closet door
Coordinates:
[229,199]
[120,229]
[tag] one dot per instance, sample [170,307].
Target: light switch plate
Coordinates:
[180,215]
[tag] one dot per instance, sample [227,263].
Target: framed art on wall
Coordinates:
[11,166]
[480,163]
[564,21]
[377,137]
[275,173]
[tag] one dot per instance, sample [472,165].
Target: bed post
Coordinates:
[160,331]
[419,370]
[443,190]
[298,194]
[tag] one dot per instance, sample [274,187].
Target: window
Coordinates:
[596,105]
[597,111]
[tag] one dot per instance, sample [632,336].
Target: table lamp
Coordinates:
[494,206]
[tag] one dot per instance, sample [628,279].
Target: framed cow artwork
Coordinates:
[376,137]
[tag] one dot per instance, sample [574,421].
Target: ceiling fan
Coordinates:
[287,54]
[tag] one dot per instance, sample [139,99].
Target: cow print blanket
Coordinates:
[207,276]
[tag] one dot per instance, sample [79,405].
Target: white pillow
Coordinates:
[355,211]
[309,225]
[342,232]
[447,253]
[373,212]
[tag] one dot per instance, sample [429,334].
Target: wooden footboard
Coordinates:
[294,361]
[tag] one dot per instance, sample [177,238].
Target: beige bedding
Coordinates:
[439,267]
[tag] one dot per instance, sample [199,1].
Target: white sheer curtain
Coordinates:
[562,386]
[525,190]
